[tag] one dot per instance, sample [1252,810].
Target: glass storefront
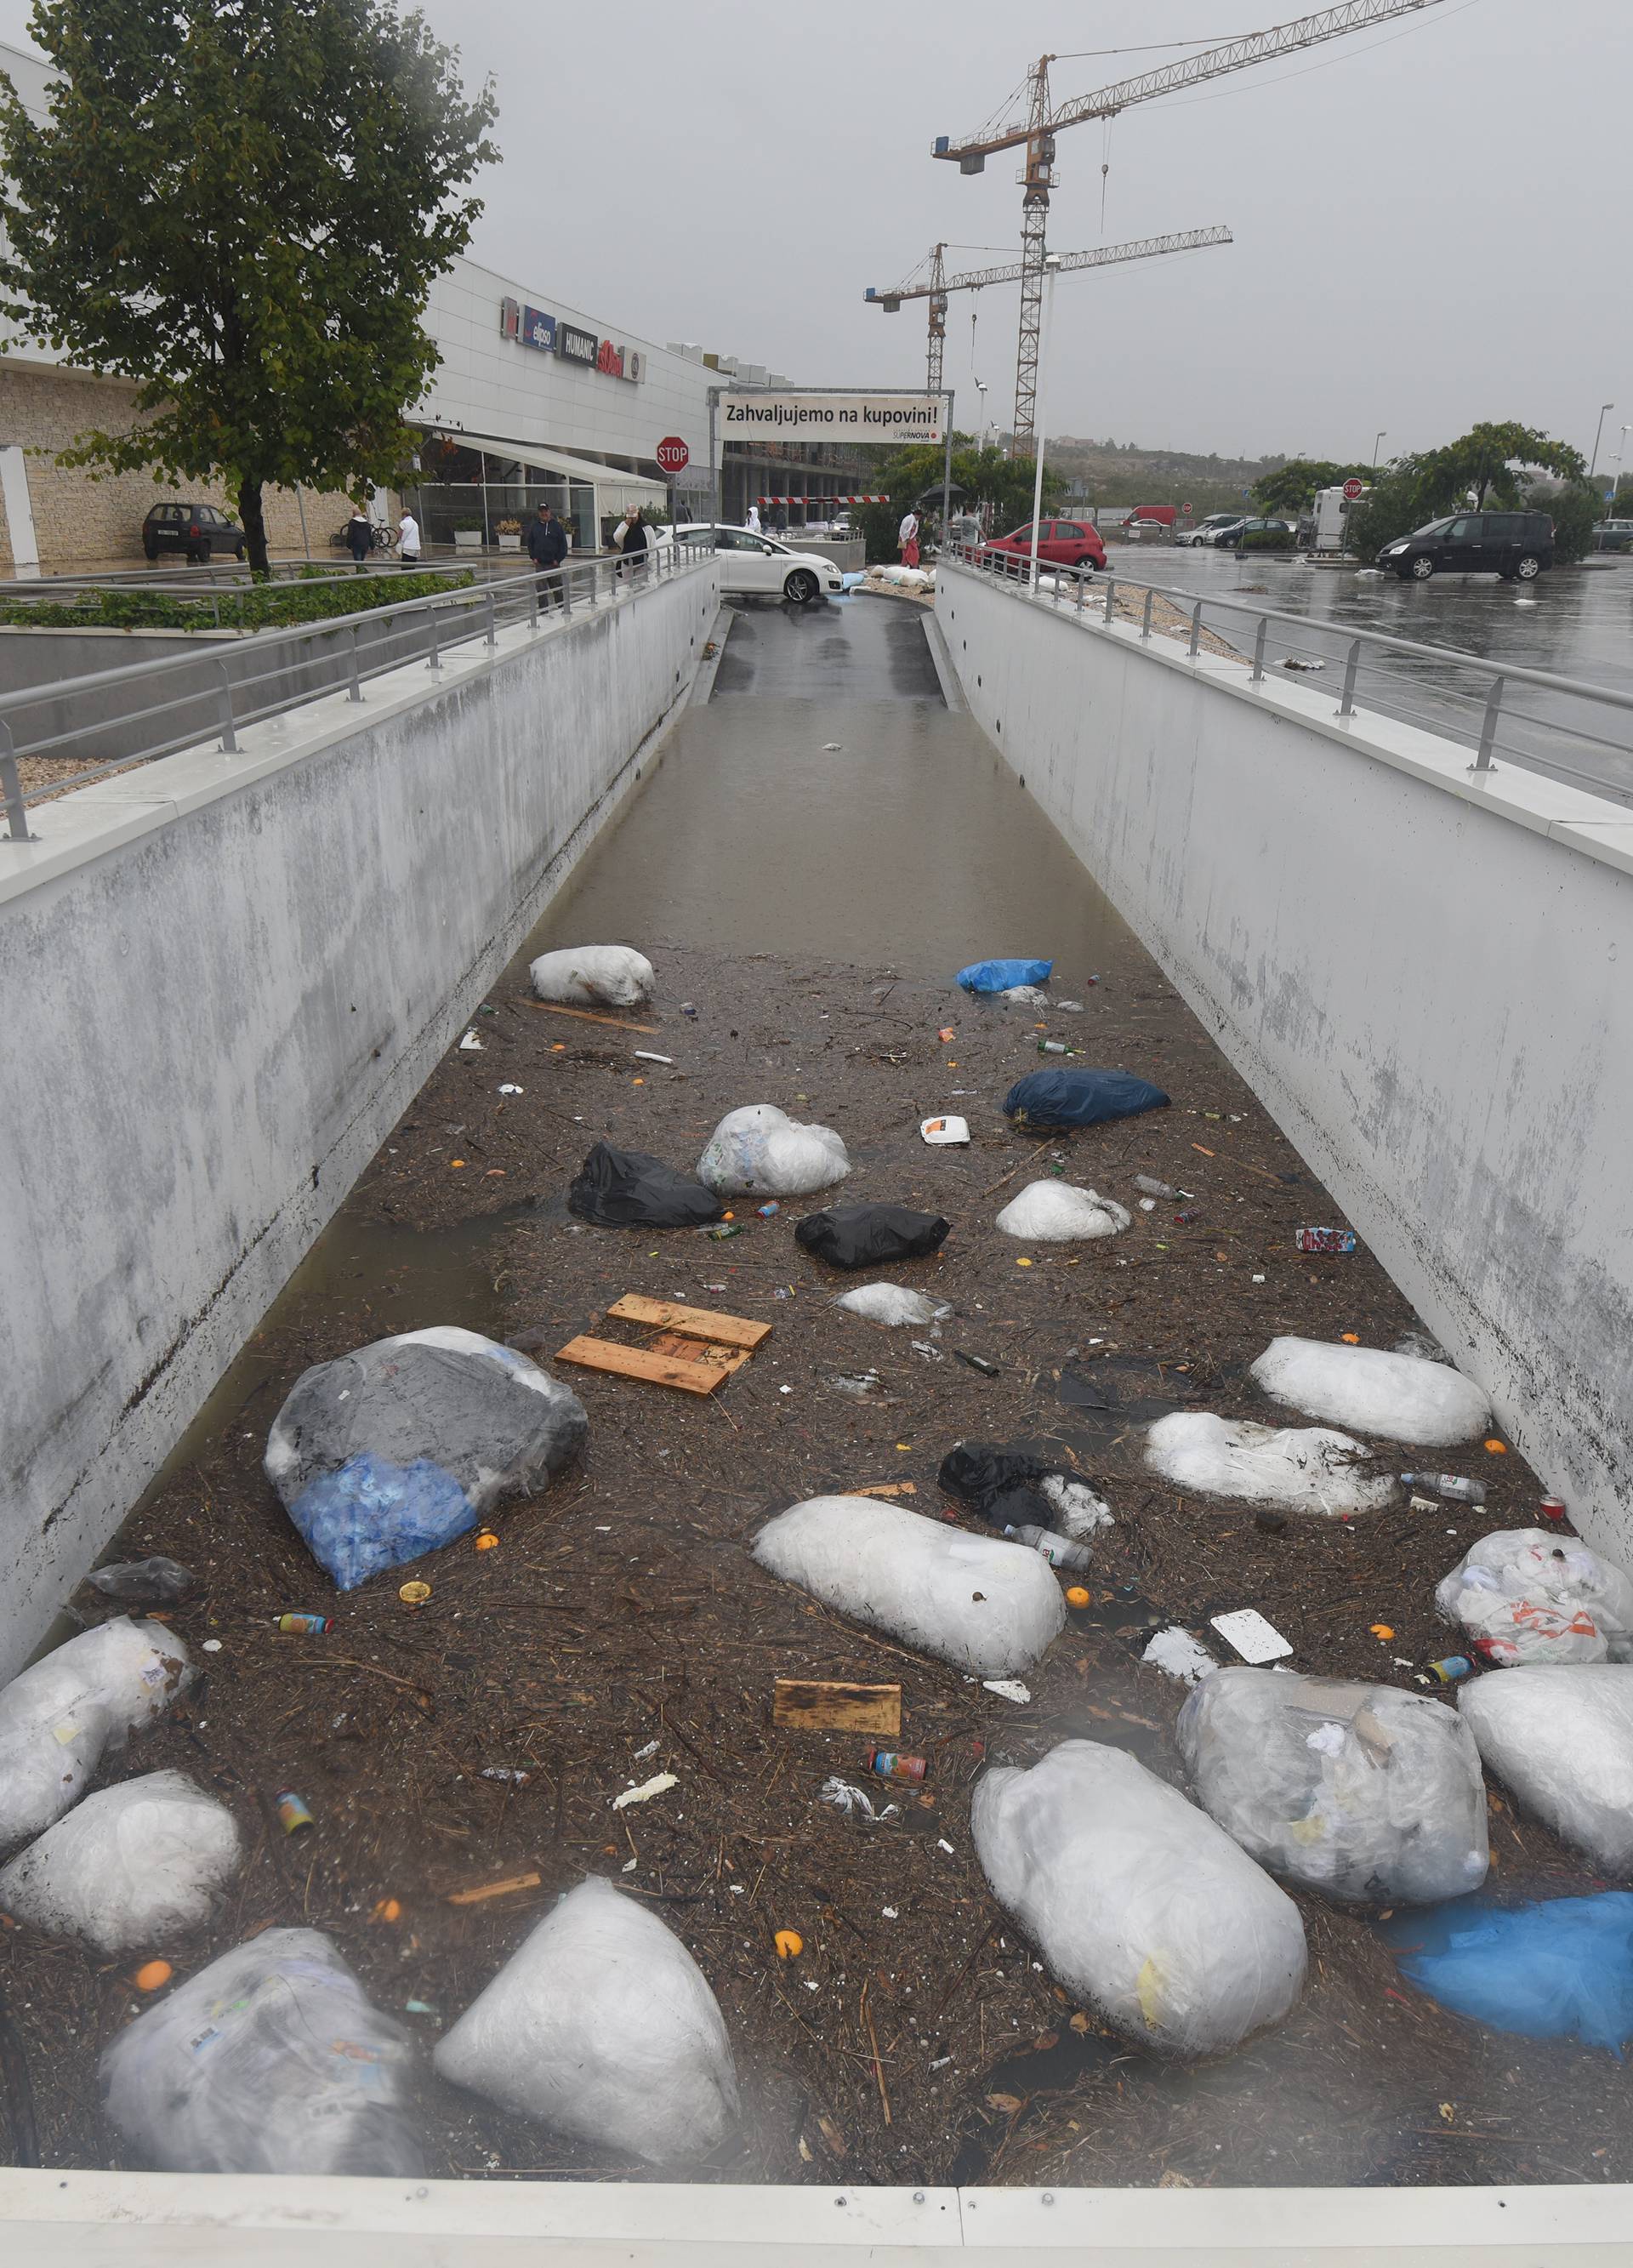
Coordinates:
[463,489]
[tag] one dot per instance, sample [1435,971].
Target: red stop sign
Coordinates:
[1352,488]
[673,455]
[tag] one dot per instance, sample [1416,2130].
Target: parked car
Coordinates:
[197,529]
[752,564]
[1061,543]
[1206,530]
[1516,545]
[1258,535]
[1613,535]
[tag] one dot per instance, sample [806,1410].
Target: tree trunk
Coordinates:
[255,525]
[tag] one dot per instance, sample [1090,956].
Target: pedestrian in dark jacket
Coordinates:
[547,548]
[359,535]
[631,539]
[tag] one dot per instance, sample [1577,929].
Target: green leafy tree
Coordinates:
[1291,488]
[240,204]
[984,477]
[1575,509]
[1490,462]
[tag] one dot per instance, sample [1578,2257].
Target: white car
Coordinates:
[758,565]
[1205,530]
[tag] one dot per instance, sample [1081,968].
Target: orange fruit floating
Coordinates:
[1077,1596]
[789,1944]
[151,1975]
[486,1541]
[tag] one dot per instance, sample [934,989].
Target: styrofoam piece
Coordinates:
[1527,1595]
[1138,1903]
[135,1865]
[61,1714]
[1363,1792]
[590,975]
[939,1132]
[1078,1512]
[985,1605]
[1254,1637]
[1060,1212]
[1304,1468]
[601,2026]
[759,1150]
[1397,1396]
[892,1303]
[1560,1737]
[1179,1653]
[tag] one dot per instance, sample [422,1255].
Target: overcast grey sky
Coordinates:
[1431,219]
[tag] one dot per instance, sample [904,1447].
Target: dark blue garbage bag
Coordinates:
[999,975]
[397,1448]
[1080,1097]
[1559,1970]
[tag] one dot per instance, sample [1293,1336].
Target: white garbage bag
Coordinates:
[1428,1403]
[59,1716]
[601,2026]
[1059,1212]
[1078,1513]
[136,1864]
[1139,1904]
[759,1150]
[270,2061]
[1305,1469]
[1525,1596]
[1363,1792]
[1561,1737]
[595,975]
[987,1606]
[892,1304]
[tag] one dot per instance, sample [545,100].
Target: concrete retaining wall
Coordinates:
[226,978]
[1424,979]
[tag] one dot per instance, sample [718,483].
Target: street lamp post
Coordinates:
[1382,436]
[1051,268]
[1598,430]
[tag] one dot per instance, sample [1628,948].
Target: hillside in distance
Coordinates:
[1114,471]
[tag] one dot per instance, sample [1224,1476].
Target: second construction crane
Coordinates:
[937,284]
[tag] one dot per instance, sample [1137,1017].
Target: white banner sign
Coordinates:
[895,418]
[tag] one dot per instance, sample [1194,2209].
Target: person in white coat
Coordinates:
[907,538]
[753,522]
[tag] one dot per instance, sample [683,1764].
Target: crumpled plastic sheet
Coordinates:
[59,1716]
[1302,1468]
[1011,1488]
[1560,1738]
[1396,1395]
[1527,1595]
[135,1865]
[1002,976]
[892,1305]
[1560,1969]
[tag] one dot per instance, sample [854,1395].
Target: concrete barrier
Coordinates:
[1421,973]
[225,977]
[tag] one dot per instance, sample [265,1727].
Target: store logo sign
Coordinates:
[578,346]
[539,330]
[533,328]
[510,319]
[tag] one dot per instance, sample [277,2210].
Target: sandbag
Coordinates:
[1398,1396]
[1001,975]
[1080,1097]
[270,2061]
[601,2026]
[629,1188]
[1525,1596]
[399,1448]
[1560,1737]
[1059,1212]
[871,1235]
[136,1864]
[759,1150]
[892,1305]
[587,976]
[1365,1793]
[1138,1903]
[982,1604]
[1013,1489]
[1303,1468]
[1560,1969]
[59,1717]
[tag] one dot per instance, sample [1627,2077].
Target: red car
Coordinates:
[1061,543]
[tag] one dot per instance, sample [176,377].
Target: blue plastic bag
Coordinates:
[1080,1097]
[1559,1970]
[999,975]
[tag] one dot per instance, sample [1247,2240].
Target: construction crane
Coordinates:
[937,286]
[1037,127]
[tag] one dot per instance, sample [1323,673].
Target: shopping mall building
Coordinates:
[534,401]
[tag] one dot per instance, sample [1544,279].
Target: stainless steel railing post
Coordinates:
[1146,619]
[435,664]
[229,733]
[11,791]
[1195,627]
[492,638]
[1488,729]
[1258,651]
[1346,705]
[1111,592]
[354,691]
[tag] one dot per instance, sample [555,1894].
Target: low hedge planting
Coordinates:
[254,607]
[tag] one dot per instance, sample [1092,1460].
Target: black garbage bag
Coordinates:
[1080,1097]
[1003,1485]
[627,1188]
[867,1235]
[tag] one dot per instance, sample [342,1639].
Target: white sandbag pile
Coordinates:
[989,1606]
[1363,1792]
[601,2026]
[1059,1212]
[59,1717]
[136,1864]
[270,2061]
[1560,1736]
[892,1304]
[1303,1468]
[759,1150]
[1138,1903]
[595,975]
[1405,1399]
[1525,1596]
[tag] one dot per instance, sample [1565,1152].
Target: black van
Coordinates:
[197,529]
[1516,545]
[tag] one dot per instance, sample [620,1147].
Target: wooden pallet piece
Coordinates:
[819,1705]
[584,1015]
[700,1371]
[690,1322]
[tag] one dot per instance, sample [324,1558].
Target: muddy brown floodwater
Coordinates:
[812,903]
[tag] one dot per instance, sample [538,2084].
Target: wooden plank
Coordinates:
[699,1376]
[887,1488]
[504,1890]
[821,1707]
[691,1322]
[585,1015]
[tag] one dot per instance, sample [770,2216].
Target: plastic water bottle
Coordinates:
[1059,1550]
[1449,1485]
